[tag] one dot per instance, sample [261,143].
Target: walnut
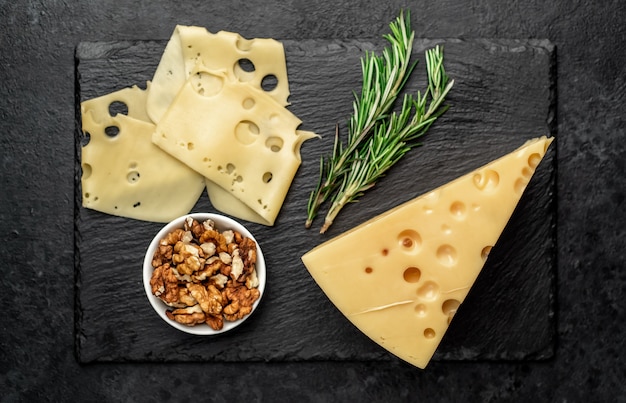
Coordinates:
[208,276]
[214,236]
[162,255]
[237,266]
[252,281]
[173,237]
[185,297]
[164,284]
[219,280]
[209,298]
[240,300]
[212,266]
[215,321]
[194,226]
[189,316]
[187,258]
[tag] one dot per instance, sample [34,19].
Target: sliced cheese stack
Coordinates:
[215,115]
[237,137]
[124,173]
[401,276]
[253,61]
[219,103]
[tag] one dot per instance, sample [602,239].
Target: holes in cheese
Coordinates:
[412,275]
[116,107]
[239,125]
[244,70]
[123,172]
[111,131]
[486,180]
[248,60]
[406,313]
[206,84]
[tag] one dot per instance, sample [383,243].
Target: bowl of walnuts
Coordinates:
[204,273]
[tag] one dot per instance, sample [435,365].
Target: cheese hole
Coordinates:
[206,84]
[420,309]
[86,171]
[133,177]
[450,306]
[269,83]
[486,180]
[429,291]
[239,179]
[458,210]
[230,168]
[85,139]
[533,160]
[385,252]
[445,228]
[267,177]
[244,70]
[116,107]
[484,254]
[112,131]
[243,44]
[527,172]
[429,333]
[412,275]
[248,103]
[246,132]
[409,240]
[274,143]
[446,254]
[520,185]
[368,270]
[190,146]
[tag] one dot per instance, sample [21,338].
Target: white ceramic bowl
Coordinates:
[222,223]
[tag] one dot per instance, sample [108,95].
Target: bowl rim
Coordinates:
[222,223]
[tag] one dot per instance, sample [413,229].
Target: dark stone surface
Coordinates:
[509,314]
[37,82]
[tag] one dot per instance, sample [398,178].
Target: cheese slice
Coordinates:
[259,62]
[237,137]
[401,276]
[123,172]
[227,203]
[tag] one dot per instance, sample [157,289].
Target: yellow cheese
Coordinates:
[401,276]
[258,62]
[236,136]
[123,172]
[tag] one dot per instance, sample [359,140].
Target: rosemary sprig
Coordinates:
[383,78]
[394,137]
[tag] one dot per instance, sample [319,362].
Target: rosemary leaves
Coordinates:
[377,137]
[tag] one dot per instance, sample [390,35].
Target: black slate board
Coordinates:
[504,94]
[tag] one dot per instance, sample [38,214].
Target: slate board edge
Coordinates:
[551,119]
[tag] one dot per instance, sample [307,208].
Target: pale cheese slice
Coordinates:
[236,136]
[225,202]
[259,62]
[123,172]
[401,276]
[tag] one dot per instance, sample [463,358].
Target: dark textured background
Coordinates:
[38,361]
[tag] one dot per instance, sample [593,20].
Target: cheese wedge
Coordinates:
[259,62]
[401,276]
[123,172]
[237,137]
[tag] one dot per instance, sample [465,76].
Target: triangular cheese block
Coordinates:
[401,276]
